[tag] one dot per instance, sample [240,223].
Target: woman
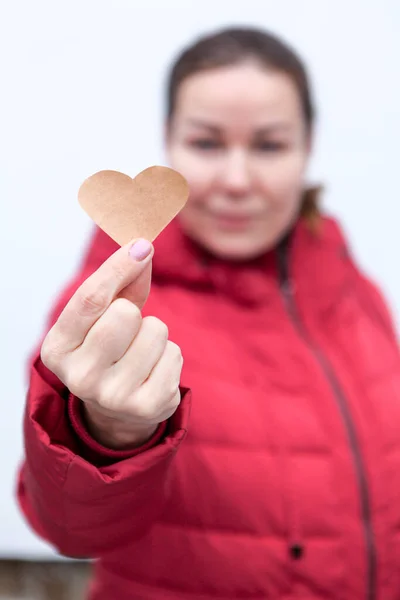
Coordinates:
[284,481]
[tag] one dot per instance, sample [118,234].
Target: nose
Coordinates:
[235,176]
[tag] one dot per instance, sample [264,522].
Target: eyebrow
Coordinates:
[262,130]
[204,125]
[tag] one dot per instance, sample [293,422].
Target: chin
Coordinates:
[236,248]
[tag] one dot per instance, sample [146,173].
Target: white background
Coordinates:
[81,84]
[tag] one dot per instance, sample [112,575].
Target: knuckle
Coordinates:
[142,405]
[82,380]
[176,399]
[118,319]
[112,393]
[93,300]
[173,388]
[170,408]
[106,397]
[158,328]
[49,353]
[126,310]
[175,351]
[46,353]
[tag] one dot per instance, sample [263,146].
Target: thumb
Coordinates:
[137,291]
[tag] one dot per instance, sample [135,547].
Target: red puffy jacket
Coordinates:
[287,483]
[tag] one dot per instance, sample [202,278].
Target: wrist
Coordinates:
[115,433]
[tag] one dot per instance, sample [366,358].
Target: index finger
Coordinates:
[129,265]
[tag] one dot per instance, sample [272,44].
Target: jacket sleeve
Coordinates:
[84,499]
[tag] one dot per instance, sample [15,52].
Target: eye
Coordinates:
[205,144]
[268,146]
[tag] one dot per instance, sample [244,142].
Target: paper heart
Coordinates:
[127,208]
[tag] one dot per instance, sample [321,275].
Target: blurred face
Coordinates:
[238,136]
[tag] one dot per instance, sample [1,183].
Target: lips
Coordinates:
[232,221]
[232,217]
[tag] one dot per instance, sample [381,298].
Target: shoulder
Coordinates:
[332,233]
[371,295]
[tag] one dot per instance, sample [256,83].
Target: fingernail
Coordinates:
[140,249]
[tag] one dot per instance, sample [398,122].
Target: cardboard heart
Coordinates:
[127,208]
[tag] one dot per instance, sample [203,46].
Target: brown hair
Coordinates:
[232,46]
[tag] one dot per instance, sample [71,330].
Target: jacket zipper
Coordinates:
[290,304]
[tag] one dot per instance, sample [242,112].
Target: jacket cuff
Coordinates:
[96,452]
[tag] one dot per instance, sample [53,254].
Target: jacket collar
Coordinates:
[314,262]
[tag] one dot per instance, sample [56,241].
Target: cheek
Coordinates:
[286,173]
[283,179]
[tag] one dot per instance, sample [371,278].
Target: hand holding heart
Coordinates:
[121,365]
